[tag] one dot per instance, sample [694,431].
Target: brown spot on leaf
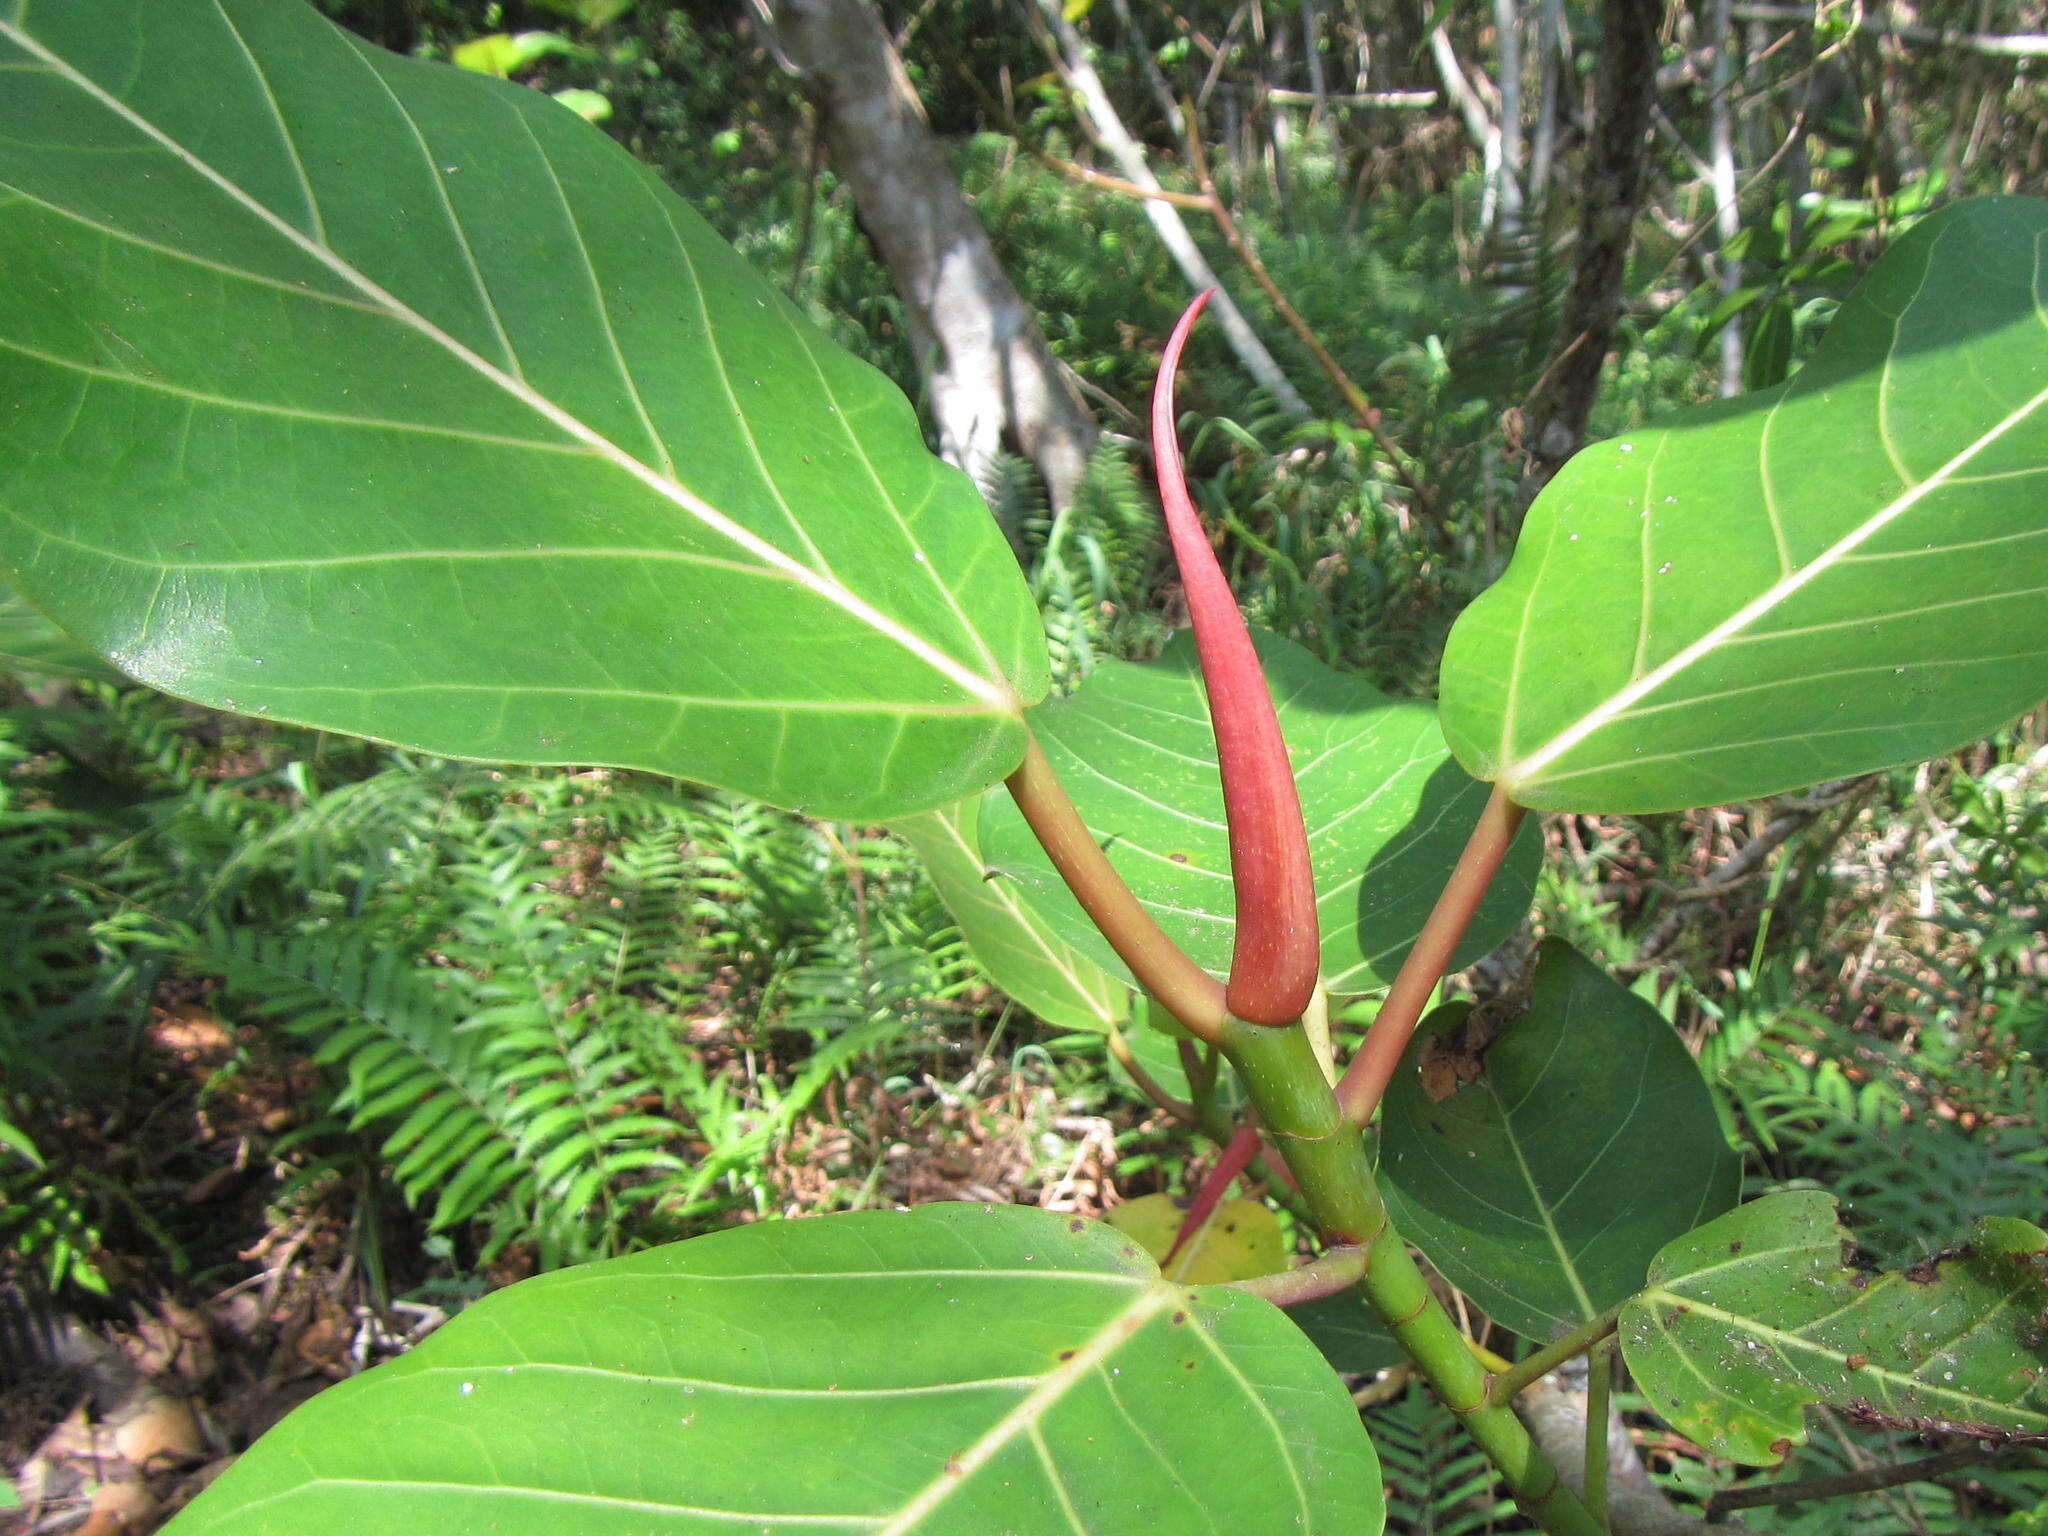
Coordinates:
[1928,1270]
[1857,1362]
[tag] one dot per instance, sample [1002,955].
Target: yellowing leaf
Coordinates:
[1240,1241]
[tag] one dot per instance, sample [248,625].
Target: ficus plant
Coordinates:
[356,391]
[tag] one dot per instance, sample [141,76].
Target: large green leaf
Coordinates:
[958,1369]
[1348,1332]
[1386,809]
[1567,1152]
[31,645]
[355,390]
[1754,1316]
[1012,943]
[1844,573]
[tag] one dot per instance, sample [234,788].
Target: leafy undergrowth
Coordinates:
[306,1044]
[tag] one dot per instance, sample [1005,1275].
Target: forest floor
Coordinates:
[140,1403]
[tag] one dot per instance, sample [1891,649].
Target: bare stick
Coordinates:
[1366,1079]
[1354,397]
[1870,1480]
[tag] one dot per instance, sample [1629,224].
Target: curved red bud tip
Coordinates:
[1273,964]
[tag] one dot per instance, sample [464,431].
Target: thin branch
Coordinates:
[1354,397]
[1506,1384]
[1062,45]
[2020,45]
[1209,201]
[1120,1048]
[1366,1079]
[1791,818]
[1386,99]
[1870,1480]
[1108,183]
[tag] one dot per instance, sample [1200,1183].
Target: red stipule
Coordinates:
[1273,964]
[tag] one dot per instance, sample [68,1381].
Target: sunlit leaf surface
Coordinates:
[355,390]
[1386,810]
[950,1369]
[1841,574]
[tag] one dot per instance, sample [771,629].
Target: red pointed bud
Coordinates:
[1273,965]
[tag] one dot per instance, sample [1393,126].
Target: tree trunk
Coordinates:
[1555,1411]
[990,372]
[1543,143]
[1507,26]
[1067,51]
[1727,217]
[1610,197]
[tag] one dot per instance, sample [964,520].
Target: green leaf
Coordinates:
[1241,1240]
[953,1368]
[1350,1335]
[1386,809]
[1569,1151]
[507,53]
[1754,1316]
[31,644]
[1838,575]
[358,391]
[1767,355]
[1018,950]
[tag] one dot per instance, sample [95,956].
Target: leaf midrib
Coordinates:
[1516,775]
[994,694]
[1025,1415]
[1781,1339]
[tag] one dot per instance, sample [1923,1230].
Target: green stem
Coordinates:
[1337,1270]
[1507,1384]
[1599,1385]
[1182,987]
[1328,1157]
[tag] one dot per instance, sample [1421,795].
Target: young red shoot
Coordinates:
[1237,1154]
[1273,963]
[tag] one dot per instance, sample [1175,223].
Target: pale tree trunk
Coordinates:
[1721,157]
[1555,1411]
[1507,26]
[991,375]
[1479,127]
[1110,131]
